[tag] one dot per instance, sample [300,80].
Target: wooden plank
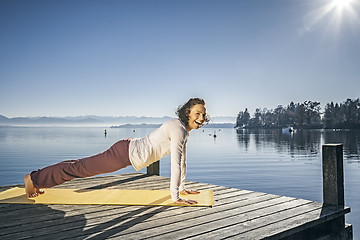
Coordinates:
[237,213]
[204,185]
[143,226]
[98,219]
[153,169]
[35,211]
[142,183]
[333,174]
[199,223]
[106,212]
[301,221]
[108,183]
[170,213]
[165,222]
[254,227]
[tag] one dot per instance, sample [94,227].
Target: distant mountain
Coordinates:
[3,117]
[223,119]
[3,120]
[220,125]
[131,119]
[144,125]
[45,121]
[98,120]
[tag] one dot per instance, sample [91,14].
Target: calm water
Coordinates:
[263,160]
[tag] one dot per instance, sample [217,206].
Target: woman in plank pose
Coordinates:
[170,138]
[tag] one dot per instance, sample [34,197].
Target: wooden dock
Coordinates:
[237,214]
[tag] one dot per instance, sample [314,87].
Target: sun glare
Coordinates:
[341,3]
[334,13]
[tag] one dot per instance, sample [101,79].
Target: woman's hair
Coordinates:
[183,111]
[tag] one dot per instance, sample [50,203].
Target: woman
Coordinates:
[170,138]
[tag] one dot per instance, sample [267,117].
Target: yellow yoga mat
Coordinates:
[103,197]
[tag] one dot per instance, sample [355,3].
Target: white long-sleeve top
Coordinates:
[171,138]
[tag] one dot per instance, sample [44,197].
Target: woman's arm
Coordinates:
[178,140]
[182,188]
[183,168]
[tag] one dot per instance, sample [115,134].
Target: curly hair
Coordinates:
[183,110]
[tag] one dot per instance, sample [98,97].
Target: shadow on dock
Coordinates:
[29,221]
[113,184]
[117,225]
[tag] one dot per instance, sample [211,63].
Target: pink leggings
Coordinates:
[113,159]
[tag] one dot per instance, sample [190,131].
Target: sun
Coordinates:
[332,16]
[340,4]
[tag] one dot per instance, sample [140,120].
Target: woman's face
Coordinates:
[196,116]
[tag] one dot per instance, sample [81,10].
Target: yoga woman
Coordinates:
[170,138]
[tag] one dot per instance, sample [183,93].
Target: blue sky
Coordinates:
[144,58]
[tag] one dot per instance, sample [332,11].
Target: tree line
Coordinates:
[304,115]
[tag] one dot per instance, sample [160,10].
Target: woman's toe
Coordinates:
[41,191]
[32,195]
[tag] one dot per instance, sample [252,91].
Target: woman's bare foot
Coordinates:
[30,190]
[186,191]
[186,201]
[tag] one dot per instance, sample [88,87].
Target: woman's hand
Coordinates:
[186,201]
[186,192]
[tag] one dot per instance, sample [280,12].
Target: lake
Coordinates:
[259,160]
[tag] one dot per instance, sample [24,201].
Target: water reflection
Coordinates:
[349,138]
[243,137]
[301,142]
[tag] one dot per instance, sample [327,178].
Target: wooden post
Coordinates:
[333,174]
[154,169]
